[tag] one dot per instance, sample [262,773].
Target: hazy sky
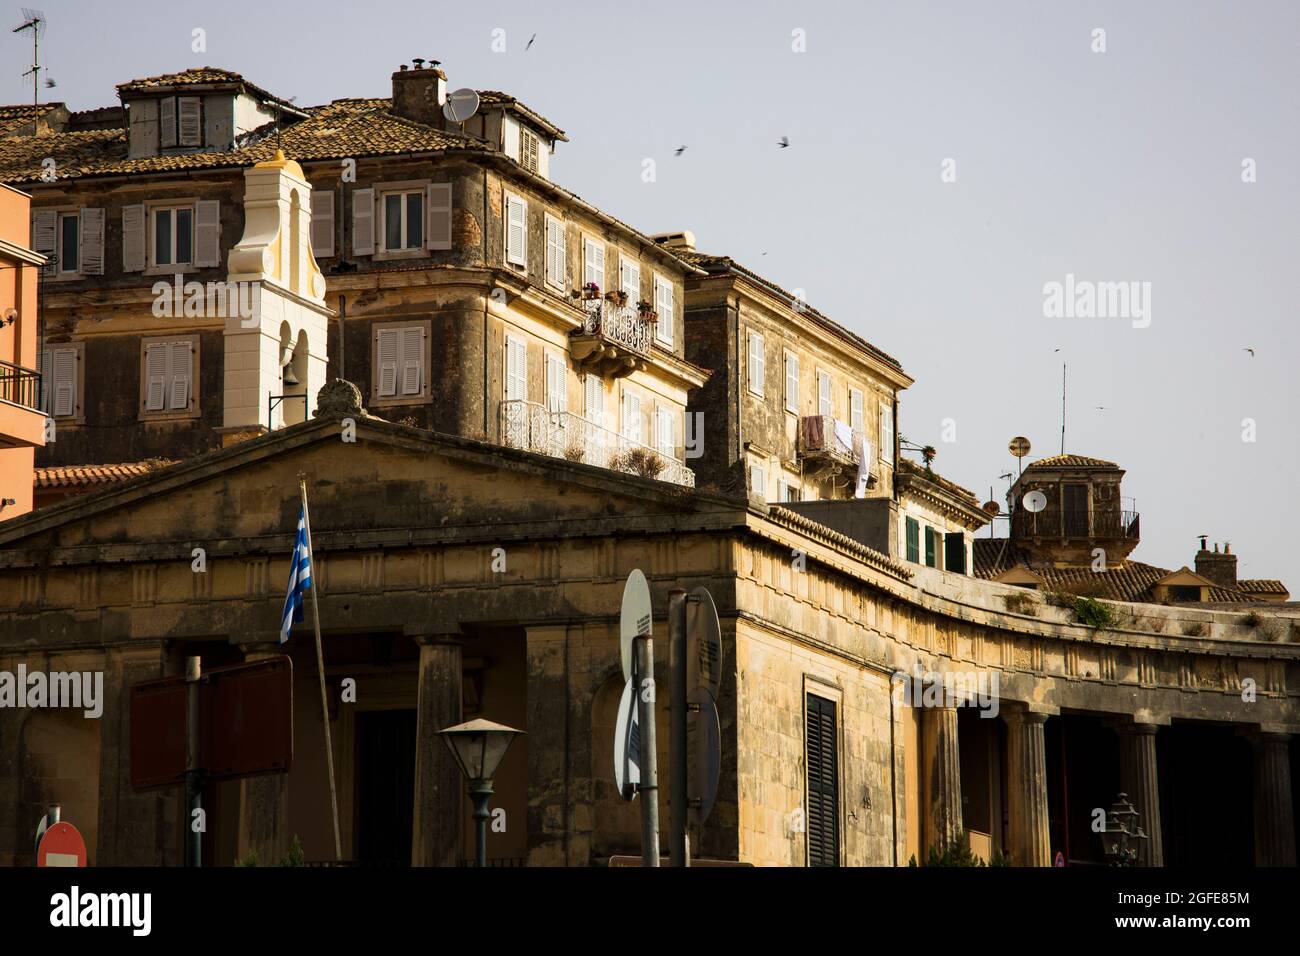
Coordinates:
[1115,166]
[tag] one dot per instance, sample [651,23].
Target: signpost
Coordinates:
[637,647]
[61,845]
[627,746]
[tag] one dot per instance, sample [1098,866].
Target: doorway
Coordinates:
[385,799]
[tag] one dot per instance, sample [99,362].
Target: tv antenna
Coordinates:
[34,20]
[1062,408]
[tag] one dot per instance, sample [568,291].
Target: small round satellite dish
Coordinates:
[992,508]
[1035,501]
[460,105]
[1019,446]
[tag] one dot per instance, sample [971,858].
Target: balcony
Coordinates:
[614,339]
[532,427]
[22,423]
[21,386]
[829,447]
[1075,523]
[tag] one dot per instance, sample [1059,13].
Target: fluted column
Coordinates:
[941,767]
[263,800]
[436,834]
[1137,774]
[1274,822]
[1029,836]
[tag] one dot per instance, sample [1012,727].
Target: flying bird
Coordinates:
[679,150]
[1100,408]
[1251,351]
[783,142]
[530,42]
[49,83]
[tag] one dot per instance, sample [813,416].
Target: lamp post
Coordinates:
[478,746]
[1119,840]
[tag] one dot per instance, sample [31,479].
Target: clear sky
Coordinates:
[1115,166]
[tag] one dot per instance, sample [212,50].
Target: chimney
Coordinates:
[419,92]
[684,240]
[1219,567]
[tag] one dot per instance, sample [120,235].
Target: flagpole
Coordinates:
[320,670]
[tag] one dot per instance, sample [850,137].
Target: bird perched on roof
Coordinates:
[783,142]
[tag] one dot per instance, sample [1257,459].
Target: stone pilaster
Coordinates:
[941,776]
[264,800]
[1029,836]
[436,828]
[1274,821]
[1137,775]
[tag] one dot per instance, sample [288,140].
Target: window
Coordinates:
[754,379]
[516,369]
[886,432]
[61,381]
[629,276]
[931,547]
[786,491]
[791,382]
[758,481]
[173,235]
[1184,592]
[557,399]
[856,420]
[632,417]
[516,231]
[555,252]
[665,433]
[400,362]
[593,263]
[823,818]
[69,242]
[954,552]
[825,403]
[529,150]
[913,540]
[403,225]
[665,306]
[594,399]
[168,375]
[180,121]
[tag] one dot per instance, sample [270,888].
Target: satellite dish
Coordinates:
[1035,501]
[992,508]
[460,105]
[1019,446]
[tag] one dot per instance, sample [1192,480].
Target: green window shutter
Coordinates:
[930,547]
[913,541]
[823,783]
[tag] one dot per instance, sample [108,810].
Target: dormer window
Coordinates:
[180,121]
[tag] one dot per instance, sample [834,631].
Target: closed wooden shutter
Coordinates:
[630,281]
[389,346]
[180,364]
[322,223]
[133,220]
[207,233]
[438,210]
[557,399]
[593,263]
[363,222]
[756,363]
[155,373]
[825,403]
[664,306]
[665,440]
[64,368]
[167,121]
[516,370]
[823,818]
[632,417]
[45,229]
[594,399]
[931,560]
[913,540]
[856,420]
[92,242]
[792,383]
[886,432]
[516,231]
[555,252]
[190,120]
[412,361]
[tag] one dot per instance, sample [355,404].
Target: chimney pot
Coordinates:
[402,67]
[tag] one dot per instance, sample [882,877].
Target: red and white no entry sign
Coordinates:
[61,845]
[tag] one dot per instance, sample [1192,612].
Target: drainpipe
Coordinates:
[487,361]
[343,314]
[740,433]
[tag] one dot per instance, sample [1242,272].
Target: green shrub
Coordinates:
[958,854]
[1094,613]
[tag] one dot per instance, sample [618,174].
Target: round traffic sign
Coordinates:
[627,745]
[61,845]
[703,754]
[634,618]
[704,637]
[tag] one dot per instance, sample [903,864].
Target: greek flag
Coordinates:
[299,578]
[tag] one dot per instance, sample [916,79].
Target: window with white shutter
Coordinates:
[516,370]
[91,228]
[791,382]
[363,222]
[856,420]
[664,305]
[167,373]
[593,263]
[45,231]
[189,120]
[412,354]
[825,401]
[557,398]
[629,280]
[438,203]
[322,223]
[886,432]
[60,380]
[555,264]
[388,349]
[401,362]
[167,121]
[133,238]
[756,365]
[665,437]
[529,150]
[516,231]
[632,417]
[155,372]
[180,362]
[758,481]
[207,234]
[594,399]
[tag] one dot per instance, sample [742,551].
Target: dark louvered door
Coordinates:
[823,784]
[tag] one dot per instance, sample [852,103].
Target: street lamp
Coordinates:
[1120,839]
[478,746]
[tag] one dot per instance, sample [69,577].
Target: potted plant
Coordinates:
[647,311]
[591,291]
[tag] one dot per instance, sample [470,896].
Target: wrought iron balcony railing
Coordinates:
[1074,523]
[614,339]
[824,436]
[533,427]
[20,385]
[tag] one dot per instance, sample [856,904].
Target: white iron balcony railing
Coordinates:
[621,324]
[533,427]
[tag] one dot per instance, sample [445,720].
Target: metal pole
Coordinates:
[644,686]
[194,836]
[320,671]
[677,727]
[480,791]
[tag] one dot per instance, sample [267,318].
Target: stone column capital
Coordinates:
[1017,713]
[429,634]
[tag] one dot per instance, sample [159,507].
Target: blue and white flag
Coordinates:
[299,578]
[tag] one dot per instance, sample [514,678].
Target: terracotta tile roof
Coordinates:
[1262,586]
[719,265]
[12,117]
[1071,461]
[198,76]
[497,98]
[82,476]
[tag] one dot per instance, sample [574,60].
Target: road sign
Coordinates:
[627,745]
[62,845]
[704,636]
[246,724]
[703,754]
[635,618]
